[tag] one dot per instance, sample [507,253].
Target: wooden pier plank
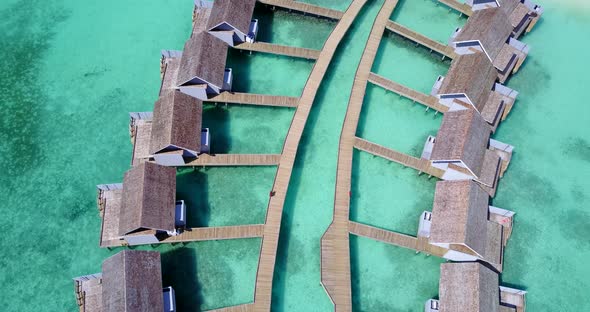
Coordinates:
[255,99]
[458,6]
[305,8]
[416,37]
[419,164]
[401,240]
[220,160]
[335,245]
[239,308]
[271,48]
[424,99]
[205,234]
[268,252]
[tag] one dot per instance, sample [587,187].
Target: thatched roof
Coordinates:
[463,135]
[473,75]
[132,281]
[468,287]
[169,81]
[237,13]
[490,26]
[148,201]
[460,215]
[177,122]
[203,60]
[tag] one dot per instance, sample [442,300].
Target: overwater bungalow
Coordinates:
[202,73]
[464,151]
[231,21]
[142,210]
[172,134]
[490,31]
[522,14]
[130,281]
[463,222]
[472,287]
[471,83]
[176,133]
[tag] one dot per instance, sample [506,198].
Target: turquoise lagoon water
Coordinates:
[69,77]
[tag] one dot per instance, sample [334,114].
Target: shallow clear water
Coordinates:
[69,76]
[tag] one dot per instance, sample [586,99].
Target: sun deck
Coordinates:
[88,291]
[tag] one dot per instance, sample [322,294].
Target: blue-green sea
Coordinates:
[71,71]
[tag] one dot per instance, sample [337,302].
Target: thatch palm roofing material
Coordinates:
[177,122]
[490,26]
[203,59]
[468,287]
[148,201]
[237,13]
[463,135]
[473,75]
[132,282]
[460,215]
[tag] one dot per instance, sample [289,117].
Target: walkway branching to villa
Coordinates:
[335,247]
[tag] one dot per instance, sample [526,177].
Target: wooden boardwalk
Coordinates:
[255,99]
[270,240]
[239,308]
[419,164]
[458,6]
[221,160]
[401,240]
[429,101]
[440,48]
[205,234]
[305,8]
[335,246]
[272,48]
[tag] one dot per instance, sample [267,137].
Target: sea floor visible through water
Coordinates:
[72,70]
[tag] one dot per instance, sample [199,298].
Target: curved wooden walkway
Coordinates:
[270,240]
[305,8]
[254,99]
[271,48]
[335,247]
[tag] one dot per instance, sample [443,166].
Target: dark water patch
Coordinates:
[523,242]
[191,186]
[216,118]
[30,28]
[575,225]
[179,270]
[265,16]
[577,147]
[530,87]
[535,189]
[579,194]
